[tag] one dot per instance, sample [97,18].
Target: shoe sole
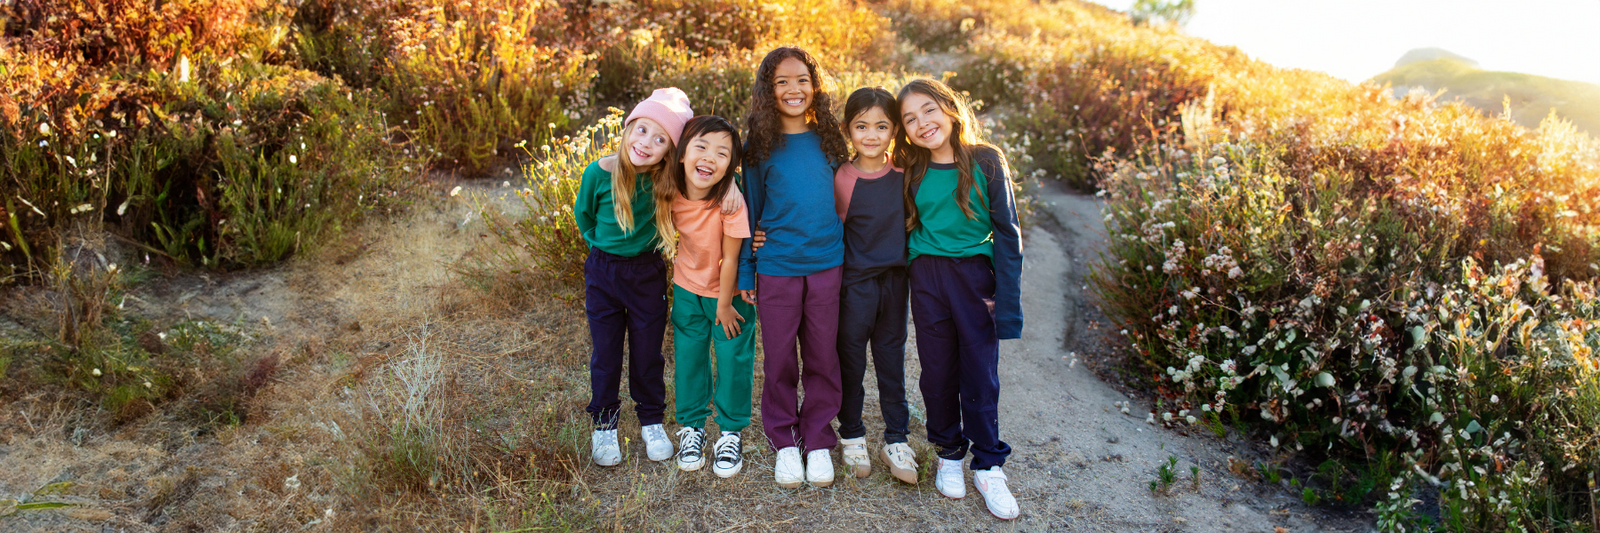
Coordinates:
[908,475]
[653,458]
[862,469]
[690,467]
[790,484]
[597,461]
[731,472]
[822,483]
[941,493]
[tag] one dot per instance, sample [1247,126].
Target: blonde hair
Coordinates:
[622,181]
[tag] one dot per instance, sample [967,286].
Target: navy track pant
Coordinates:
[626,300]
[952,305]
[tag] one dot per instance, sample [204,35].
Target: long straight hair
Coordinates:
[964,139]
[676,180]
[622,181]
[766,130]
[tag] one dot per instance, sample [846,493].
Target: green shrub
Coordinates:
[543,244]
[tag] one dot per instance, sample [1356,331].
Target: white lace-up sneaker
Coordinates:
[603,446]
[656,444]
[730,455]
[991,484]
[902,462]
[855,456]
[691,444]
[950,480]
[788,471]
[819,468]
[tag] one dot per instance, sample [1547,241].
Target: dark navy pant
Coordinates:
[626,297]
[873,312]
[952,304]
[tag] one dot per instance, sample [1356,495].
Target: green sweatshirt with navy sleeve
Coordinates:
[595,213]
[943,230]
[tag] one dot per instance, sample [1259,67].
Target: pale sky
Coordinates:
[1358,39]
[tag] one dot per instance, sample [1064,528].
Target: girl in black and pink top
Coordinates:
[867,193]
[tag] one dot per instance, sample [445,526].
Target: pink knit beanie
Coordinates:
[669,107]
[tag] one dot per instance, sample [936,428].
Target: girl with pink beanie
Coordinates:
[625,280]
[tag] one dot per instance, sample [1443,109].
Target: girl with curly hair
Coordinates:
[795,144]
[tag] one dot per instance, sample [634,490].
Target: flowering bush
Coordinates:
[544,244]
[1347,313]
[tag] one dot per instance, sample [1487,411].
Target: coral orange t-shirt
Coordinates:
[701,226]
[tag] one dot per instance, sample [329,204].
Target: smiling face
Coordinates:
[870,133]
[792,85]
[705,162]
[647,142]
[926,124]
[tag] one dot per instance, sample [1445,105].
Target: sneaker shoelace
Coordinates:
[691,440]
[728,451]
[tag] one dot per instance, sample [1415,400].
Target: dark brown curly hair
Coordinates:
[766,132]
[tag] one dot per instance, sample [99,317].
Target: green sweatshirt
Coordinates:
[595,212]
[942,228]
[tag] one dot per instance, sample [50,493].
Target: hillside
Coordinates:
[1532,97]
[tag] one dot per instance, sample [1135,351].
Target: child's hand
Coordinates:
[749,296]
[732,202]
[759,238]
[729,319]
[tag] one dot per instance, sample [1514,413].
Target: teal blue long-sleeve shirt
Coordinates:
[790,194]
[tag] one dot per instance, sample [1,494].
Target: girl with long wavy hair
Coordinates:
[794,146]
[965,252]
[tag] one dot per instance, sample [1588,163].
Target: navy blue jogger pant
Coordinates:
[952,305]
[626,298]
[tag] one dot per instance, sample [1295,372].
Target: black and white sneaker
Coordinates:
[691,442]
[730,455]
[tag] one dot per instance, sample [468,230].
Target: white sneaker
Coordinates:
[819,468]
[691,442]
[603,446]
[991,484]
[730,455]
[902,462]
[656,444]
[855,456]
[950,480]
[788,471]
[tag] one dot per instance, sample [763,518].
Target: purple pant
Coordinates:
[626,298]
[952,305]
[803,308]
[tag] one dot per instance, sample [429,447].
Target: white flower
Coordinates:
[1166,416]
[293,159]
[1494,398]
[1274,441]
[1190,419]
[44,128]
[455,191]
[96,372]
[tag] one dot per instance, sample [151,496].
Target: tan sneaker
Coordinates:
[855,456]
[902,462]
